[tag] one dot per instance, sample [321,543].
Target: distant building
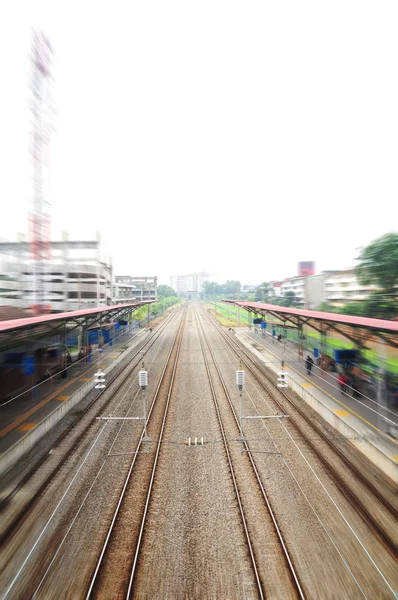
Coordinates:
[342,287]
[333,287]
[306,268]
[277,288]
[314,291]
[185,284]
[126,288]
[295,285]
[248,287]
[74,277]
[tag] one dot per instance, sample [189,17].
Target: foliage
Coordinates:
[326,307]
[263,292]
[229,289]
[380,307]
[374,307]
[289,299]
[378,264]
[155,309]
[165,291]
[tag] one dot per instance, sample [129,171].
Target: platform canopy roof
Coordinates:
[357,329]
[15,332]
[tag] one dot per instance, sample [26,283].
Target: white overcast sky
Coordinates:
[232,137]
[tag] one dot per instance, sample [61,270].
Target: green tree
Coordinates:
[378,306]
[165,291]
[289,299]
[209,288]
[355,309]
[263,292]
[378,264]
[325,307]
[232,287]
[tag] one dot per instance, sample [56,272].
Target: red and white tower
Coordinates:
[41,124]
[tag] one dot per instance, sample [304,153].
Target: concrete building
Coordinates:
[277,288]
[130,289]
[314,291]
[295,285]
[306,268]
[185,284]
[342,287]
[333,287]
[74,277]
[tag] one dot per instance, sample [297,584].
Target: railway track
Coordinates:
[115,556]
[160,405]
[260,583]
[118,378]
[297,412]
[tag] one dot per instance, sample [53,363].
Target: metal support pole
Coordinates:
[300,341]
[146,438]
[241,436]
[381,385]
[143,381]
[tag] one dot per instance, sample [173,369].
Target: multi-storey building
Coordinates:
[131,289]
[185,284]
[295,285]
[276,288]
[74,277]
[342,287]
[333,287]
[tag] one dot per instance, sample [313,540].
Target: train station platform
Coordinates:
[369,426]
[23,415]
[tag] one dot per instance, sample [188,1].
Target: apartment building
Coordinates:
[126,288]
[188,283]
[73,278]
[295,285]
[333,287]
[342,287]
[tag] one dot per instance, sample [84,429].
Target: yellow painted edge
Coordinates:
[27,427]
[62,397]
[307,385]
[85,378]
[342,413]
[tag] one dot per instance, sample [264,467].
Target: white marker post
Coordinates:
[143,381]
[240,382]
[99,380]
